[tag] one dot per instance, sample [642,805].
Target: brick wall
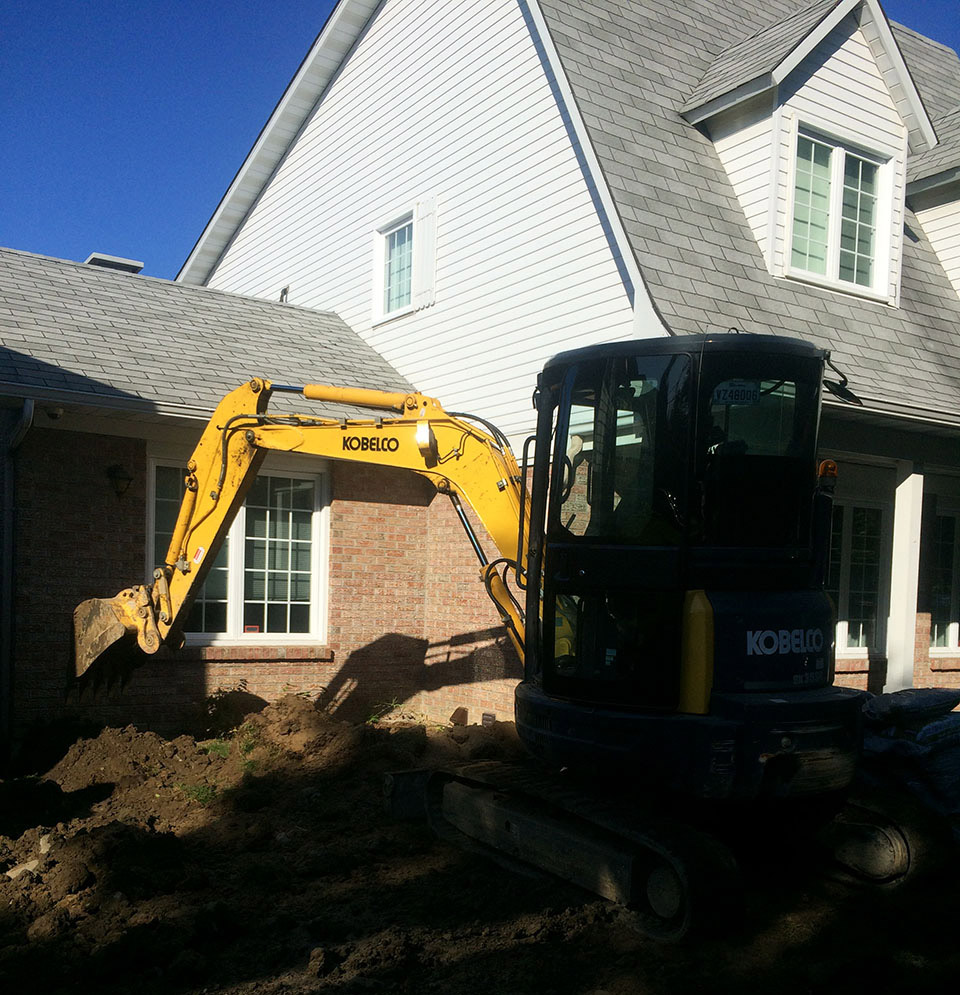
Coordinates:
[408,619]
[933,669]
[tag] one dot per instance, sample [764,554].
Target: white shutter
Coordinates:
[424,252]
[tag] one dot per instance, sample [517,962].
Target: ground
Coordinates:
[264,862]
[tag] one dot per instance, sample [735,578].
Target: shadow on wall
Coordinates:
[170,695]
[397,668]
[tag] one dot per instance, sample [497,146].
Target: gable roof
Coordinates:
[767,57]
[940,165]
[84,335]
[756,58]
[700,261]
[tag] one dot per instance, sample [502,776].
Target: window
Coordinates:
[266,583]
[405,262]
[944,586]
[837,216]
[398,266]
[857,556]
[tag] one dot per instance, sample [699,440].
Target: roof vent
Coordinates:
[114,262]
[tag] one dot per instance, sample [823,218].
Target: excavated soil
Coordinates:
[265,862]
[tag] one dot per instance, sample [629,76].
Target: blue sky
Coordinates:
[124,122]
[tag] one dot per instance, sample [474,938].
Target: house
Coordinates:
[474,187]
[445,196]
[106,380]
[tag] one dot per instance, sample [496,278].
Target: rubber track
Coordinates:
[705,866]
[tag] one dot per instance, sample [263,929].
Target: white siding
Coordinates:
[839,89]
[445,100]
[939,216]
[743,138]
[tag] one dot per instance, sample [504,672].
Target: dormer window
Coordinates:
[837,207]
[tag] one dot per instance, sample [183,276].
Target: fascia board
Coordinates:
[812,39]
[923,135]
[319,67]
[730,99]
[932,182]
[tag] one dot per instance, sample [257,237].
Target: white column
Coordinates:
[904,577]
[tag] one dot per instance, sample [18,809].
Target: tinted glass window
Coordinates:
[756,464]
[624,459]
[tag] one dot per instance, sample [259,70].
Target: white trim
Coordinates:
[810,41]
[844,652]
[380,235]
[885,158]
[904,578]
[730,99]
[904,91]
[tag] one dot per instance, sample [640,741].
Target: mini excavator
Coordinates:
[661,559]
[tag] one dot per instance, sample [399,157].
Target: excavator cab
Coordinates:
[677,520]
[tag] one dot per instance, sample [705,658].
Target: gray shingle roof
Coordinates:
[701,262]
[934,67]
[943,157]
[88,335]
[759,54]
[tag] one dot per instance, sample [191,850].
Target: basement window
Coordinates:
[266,584]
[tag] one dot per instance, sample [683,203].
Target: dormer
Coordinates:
[933,189]
[813,119]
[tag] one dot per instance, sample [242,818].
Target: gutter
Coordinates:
[10,438]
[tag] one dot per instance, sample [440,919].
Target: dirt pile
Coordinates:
[264,862]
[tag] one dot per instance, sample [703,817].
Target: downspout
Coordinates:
[11,435]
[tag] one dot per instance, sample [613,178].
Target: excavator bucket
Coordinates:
[98,636]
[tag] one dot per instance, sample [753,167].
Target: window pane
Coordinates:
[299,618]
[268,585]
[811,206]
[169,483]
[864,590]
[300,556]
[943,596]
[398,267]
[859,220]
[277,618]
[253,617]
[279,556]
[208,613]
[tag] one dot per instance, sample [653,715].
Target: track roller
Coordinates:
[669,880]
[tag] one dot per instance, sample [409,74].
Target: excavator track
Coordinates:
[669,880]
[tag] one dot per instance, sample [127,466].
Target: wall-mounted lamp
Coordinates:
[120,478]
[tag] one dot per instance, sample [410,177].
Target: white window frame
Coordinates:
[953,627]
[844,651]
[881,156]
[422,216]
[274,465]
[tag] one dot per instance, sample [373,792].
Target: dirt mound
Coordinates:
[264,862]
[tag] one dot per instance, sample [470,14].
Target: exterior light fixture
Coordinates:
[120,478]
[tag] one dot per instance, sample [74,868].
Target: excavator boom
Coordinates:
[464,458]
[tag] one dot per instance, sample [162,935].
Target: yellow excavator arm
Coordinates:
[466,459]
